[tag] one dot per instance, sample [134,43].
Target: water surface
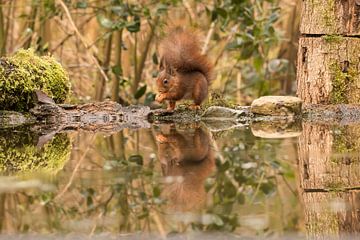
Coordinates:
[180,181]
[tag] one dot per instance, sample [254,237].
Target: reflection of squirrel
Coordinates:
[187,159]
[185,73]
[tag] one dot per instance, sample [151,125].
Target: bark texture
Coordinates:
[329,179]
[328,57]
[330,17]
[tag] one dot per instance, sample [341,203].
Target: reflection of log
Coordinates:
[329,214]
[101,116]
[330,179]
[328,159]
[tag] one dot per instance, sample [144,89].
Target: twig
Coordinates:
[82,39]
[231,35]
[188,9]
[76,169]
[69,35]
[208,38]
[257,188]
[144,53]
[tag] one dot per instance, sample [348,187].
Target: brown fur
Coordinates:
[184,71]
[189,156]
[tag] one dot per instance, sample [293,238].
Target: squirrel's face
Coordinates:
[164,81]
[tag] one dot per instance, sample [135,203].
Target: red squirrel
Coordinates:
[187,160]
[185,73]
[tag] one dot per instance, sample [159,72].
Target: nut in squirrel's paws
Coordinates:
[160,98]
[161,138]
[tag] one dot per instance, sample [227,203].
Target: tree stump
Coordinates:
[328,55]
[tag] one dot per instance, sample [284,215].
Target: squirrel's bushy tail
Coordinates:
[181,50]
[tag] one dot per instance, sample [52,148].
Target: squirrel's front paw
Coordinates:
[161,138]
[160,98]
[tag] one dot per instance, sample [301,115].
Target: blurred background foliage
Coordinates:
[109,47]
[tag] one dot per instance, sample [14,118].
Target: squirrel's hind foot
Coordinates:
[194,107]
[171,106]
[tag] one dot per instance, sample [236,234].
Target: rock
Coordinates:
[42,98]
[226,113]
[277,106]
[276,129]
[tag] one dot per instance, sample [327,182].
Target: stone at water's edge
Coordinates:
[277,106]
[276,129]
[224,112]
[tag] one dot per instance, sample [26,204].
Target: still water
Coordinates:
[181,182]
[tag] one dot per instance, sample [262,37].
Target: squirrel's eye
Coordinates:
[165,81]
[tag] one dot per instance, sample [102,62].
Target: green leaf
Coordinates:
[161,8]
[247,51]
[116,70]
[82,4]
[221,12]
[258,62]
[138,159]
[149,98]
[104,22]
[140,92]
[156,191]
[134,26]
[217,220]
[155,58]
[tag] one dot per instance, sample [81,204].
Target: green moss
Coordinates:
[25,72]
[329,13]
[18,153]
[217,99]
[341,83]
[336,39]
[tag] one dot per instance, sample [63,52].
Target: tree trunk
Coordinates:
[328,62]
[329,179]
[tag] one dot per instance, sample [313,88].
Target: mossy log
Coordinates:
[25,72]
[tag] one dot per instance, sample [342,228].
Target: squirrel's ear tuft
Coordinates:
[171,71]
[162,64]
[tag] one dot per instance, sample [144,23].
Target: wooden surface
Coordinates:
[323,61]
[330,17]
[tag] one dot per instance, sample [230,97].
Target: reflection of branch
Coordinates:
[159,224]
[222,160]
[82,40]
[76,168]
[257,188]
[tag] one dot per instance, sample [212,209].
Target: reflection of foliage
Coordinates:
[131,194]
[246,173]
[19,154]
[126,192]
[25,72]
